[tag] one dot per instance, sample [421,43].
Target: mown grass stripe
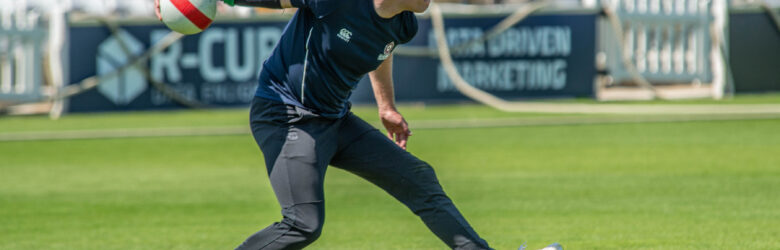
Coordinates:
[414,124]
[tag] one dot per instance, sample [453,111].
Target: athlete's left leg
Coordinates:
[368,153]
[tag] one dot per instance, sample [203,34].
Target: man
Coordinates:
[301,118]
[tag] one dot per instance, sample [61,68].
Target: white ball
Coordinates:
[188,16]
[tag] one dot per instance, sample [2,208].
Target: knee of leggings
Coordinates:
[309,235]
[313,236]
[430,203]
[307,219]
[426,194]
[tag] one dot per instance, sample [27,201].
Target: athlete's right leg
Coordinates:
[296,172]
[369,154]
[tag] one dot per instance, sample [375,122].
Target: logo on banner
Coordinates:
[111,56]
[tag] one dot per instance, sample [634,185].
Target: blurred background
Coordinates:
[600,124]
[145,8]
[58,56]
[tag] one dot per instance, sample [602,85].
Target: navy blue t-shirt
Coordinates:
[324,51]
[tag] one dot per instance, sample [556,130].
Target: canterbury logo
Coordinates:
[345,34]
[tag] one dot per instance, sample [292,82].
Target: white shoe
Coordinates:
[553,246]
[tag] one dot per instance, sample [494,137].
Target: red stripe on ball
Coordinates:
[192,13]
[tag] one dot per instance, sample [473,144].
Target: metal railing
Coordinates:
[668,41]
[21,39]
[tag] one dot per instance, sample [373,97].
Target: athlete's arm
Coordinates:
[271,4]
[382,83]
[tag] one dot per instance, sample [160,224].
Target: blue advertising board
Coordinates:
[544,56]
[548,55]
[217,67]
[754,49]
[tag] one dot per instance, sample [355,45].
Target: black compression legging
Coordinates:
[271,4]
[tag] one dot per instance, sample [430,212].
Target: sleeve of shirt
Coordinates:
[320,8]
[409,27]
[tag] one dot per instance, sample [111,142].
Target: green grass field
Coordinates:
[662,185]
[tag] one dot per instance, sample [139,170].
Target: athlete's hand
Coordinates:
[157,9]
[397,128]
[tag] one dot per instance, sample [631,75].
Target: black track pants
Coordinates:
[298,147]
